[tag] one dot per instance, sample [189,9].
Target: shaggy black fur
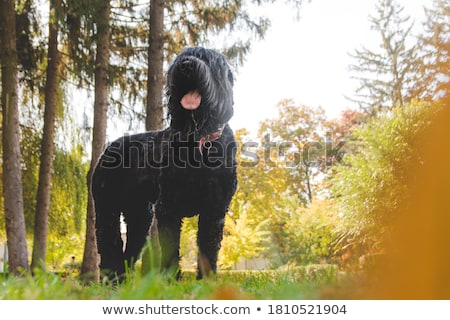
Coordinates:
[187,169]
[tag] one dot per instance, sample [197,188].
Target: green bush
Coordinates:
[372,182]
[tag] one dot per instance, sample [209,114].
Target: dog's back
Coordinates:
[127,165]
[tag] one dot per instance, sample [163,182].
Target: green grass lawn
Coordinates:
[308,282]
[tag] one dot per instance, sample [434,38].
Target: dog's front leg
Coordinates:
[210,233]
[169,228]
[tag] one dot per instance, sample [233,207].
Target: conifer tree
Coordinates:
[385,75]
[48,137]
[89,267]
[12,171]
[433,72]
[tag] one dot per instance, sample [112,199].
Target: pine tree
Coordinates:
[155,82]
[89,268]
[12,171]
[48,137]
[433,72]
[385,76]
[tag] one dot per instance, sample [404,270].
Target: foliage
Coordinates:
[296,137]
[188,243]
[342,127]
[197,22]
[432,75]
[301,226]
[186,23]
[311,233]
[30,145]
[385,75]
[369,186]
[272,215]
[243,239]
[30,53]
[258,186]
[68,197]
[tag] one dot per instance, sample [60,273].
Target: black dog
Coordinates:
[187,169]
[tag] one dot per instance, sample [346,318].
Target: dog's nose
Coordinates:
[187,66]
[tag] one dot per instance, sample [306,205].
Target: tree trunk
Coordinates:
[155,83]
[154,119]
[47,146]
[89,267]
[308,183]
[12,171]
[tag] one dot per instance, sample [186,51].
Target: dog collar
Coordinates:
[205,142]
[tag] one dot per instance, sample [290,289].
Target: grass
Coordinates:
[299,283]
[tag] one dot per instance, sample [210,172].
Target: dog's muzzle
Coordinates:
[191,101]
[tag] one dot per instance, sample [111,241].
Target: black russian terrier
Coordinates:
[185,170]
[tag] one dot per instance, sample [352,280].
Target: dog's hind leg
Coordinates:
[109,240]
[138,220]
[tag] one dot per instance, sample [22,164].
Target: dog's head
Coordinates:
[200,93]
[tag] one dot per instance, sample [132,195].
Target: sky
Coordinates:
[307,59]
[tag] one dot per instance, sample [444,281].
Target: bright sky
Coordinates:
[307,59]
